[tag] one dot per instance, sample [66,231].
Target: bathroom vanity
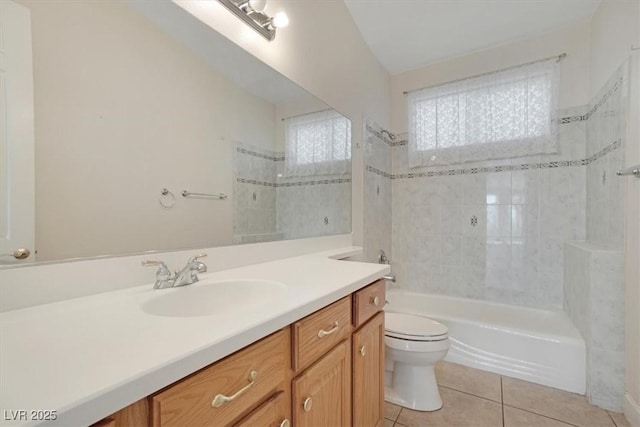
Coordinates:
[325,369]
[311,354]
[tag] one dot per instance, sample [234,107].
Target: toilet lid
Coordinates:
[412,327]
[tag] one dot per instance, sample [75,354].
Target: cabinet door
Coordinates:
[272,413]
[368,373]
[322,394]
[134,415]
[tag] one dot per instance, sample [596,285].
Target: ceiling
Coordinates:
[407,34]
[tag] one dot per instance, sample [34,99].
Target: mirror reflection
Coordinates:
[135,103]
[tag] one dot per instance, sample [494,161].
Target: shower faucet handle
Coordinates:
[382,258]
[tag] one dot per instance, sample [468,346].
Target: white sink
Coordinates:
[206,298]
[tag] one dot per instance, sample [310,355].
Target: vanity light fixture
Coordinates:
[252,13]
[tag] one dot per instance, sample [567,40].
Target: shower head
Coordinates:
[392,136]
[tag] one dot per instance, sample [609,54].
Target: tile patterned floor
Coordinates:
[474,398]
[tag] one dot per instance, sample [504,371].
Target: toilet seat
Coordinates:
[410,327]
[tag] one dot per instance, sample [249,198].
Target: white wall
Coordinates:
[123,110]
[574,71]
[323,51]
[614,29]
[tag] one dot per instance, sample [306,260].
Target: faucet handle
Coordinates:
[197,257]
[163,273]
[151,263]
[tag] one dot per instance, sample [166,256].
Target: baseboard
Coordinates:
[631,410]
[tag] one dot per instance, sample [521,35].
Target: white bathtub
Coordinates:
[535,345]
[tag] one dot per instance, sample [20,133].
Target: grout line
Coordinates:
[395,419]
[542,415]
[612,419]
[469,394]
[502,400]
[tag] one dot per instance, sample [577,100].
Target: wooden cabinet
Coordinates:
[317,372]
[226,390]
[368,373]
[319,332]
[367,302]
[322,394]
[134,415]
[272,413]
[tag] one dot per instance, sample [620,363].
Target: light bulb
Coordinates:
[280,20]
[258,5]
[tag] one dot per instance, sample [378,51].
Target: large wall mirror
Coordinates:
[136,102]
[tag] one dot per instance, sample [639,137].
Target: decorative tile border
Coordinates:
[501,168]
[260,155]
[606,150]
[605,97]
[379,172]
[571,119]
[294,183]
[314,182]
[256,182]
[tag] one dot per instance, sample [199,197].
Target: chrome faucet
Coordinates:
[382,258]
[186,276]
[189,274]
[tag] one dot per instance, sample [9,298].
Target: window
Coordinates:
[509,113]
[318,144]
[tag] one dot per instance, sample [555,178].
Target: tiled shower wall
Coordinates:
[594,300]
[270,207]
[312,207]
[594,270]
[377,193]
[254,218]
[491,230]
[606,128]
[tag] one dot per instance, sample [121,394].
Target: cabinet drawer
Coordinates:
[317,333]
[367,302]
[272,413]
[246,377]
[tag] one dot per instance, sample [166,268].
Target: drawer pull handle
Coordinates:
[322,333]
[221,399]
[285,423]
[363,351]
[307,404]
[375,301]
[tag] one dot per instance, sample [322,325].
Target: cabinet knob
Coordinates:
[375,301]
[285,423]
[307,404]
[363,350]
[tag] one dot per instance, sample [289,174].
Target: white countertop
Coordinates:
[89,357]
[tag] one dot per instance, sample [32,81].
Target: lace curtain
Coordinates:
[318,144]
[509,113]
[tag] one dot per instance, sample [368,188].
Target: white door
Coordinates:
[17,219]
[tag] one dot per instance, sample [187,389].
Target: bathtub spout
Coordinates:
[392,278]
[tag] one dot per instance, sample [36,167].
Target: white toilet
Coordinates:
[413,346]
